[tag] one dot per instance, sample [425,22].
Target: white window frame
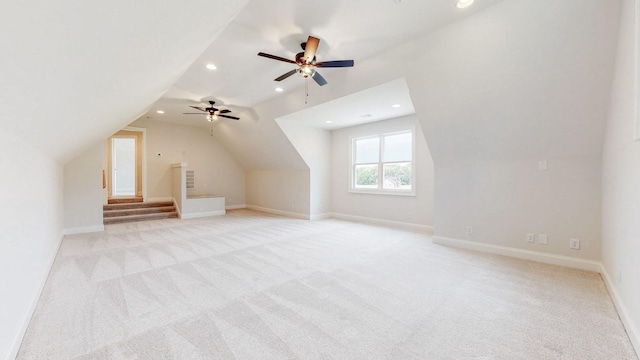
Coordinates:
[380,190]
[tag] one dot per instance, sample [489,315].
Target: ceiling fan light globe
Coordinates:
[464,3]
[306,71]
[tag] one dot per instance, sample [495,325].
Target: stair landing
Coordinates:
[121,200]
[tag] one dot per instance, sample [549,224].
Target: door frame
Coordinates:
[141,167]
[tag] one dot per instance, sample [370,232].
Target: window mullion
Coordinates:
[380,161]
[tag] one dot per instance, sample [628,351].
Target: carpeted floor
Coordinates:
[250,285]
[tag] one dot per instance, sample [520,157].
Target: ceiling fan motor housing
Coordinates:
[306,62]
[300,59]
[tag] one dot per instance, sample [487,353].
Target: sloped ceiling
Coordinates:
[483,82]
[243,82]
[355,29]
[519,79]
[73,72]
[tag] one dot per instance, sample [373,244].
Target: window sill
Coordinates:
[382,192]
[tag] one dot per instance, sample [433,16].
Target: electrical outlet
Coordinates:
[469,230]
[543,239]
[543,165]
[574,244]
[531,238]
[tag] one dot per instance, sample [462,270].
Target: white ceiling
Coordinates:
[356,29]
[382,102]
[81,67]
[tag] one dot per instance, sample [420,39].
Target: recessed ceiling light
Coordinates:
[395,105]
[328,121]
[464,3]
[211,67]
[160,112]
[279,89]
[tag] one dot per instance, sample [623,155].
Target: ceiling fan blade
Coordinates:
[192,113]
[229,117]
[224,111]
[276,57]
[310,49]
[335,64]
[286,75]
[197,107]
[319,79]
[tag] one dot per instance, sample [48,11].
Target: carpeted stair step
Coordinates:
[136,205]
[141,217]
[138,211]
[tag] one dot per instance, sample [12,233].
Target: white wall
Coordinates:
[621,185]
[520,82]
[83,193]
[314,145]
[283,192]
[216,171]
[503,201]
[31,223]
[416,210]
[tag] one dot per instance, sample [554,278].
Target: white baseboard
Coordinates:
[17,341]
[423,228]
[320,216]
[279,212]
[83,230]
[552,259]
[202,214]
[234,207]
[627,321]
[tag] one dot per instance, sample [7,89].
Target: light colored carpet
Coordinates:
[250,285]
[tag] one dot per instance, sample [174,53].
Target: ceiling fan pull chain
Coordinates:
[306,90]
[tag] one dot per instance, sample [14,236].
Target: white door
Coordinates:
[123,166]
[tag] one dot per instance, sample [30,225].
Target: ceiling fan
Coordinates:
[213,113]
[306,61]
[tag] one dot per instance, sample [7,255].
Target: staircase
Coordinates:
[120,210]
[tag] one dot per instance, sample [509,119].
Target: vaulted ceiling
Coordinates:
[356,30]
[72,72]
[484,79]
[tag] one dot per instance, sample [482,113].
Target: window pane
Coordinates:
[366,176]
[367,150]
[397,176]
[397,147]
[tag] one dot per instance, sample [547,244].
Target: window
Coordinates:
[383,163]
